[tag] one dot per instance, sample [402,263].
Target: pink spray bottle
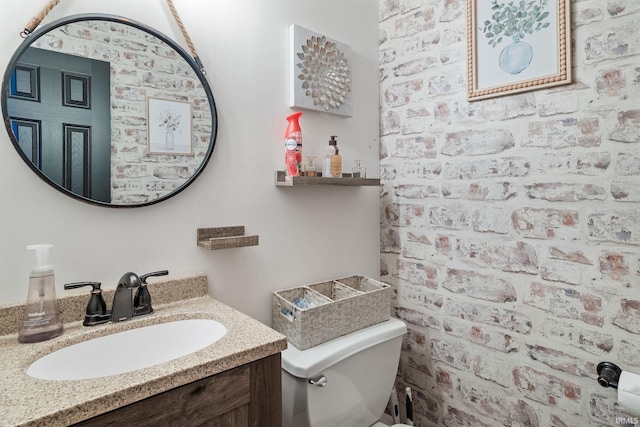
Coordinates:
[293,146]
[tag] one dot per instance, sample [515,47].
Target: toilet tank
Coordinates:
[358,371]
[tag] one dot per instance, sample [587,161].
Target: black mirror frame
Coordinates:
[6,80]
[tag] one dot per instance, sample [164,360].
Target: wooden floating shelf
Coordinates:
[225,238]
[346,180]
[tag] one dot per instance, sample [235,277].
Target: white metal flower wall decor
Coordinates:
[320,73]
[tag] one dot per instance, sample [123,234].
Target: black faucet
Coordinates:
[122,307]
[125,305]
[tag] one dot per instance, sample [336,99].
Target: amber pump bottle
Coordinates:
[332,164]
[335,162]
[41,320]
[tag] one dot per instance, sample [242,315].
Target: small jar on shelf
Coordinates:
[310,168]
[358,171]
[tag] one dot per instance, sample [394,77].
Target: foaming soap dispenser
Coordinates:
[41,320]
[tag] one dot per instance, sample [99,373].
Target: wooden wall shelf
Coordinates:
[225,238]
[346,180]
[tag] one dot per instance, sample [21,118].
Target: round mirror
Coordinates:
[109,111]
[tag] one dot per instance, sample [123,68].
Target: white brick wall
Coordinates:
[510,227]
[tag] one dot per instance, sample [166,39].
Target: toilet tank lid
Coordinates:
[311,362]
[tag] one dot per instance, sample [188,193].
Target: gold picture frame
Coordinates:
[504,41]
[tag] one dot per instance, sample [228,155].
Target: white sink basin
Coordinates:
[128,351]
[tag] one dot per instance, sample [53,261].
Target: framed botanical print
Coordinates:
[517,45]
[169,127]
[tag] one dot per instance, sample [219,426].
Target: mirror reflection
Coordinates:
[109,111]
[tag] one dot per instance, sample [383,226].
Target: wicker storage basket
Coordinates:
[334,290]
[340,307]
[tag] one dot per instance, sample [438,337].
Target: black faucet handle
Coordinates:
[96,312]
[144,277]
[75,285]
[142,299]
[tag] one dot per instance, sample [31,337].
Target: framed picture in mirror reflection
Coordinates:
[169,127]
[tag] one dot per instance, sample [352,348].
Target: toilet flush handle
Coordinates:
[320,381]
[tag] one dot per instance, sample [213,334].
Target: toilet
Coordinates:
[345,382]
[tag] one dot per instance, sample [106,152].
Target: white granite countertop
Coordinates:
[26,401]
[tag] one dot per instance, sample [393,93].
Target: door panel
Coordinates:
[78,152]
[27,134]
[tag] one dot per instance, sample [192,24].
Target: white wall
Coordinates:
[306,234]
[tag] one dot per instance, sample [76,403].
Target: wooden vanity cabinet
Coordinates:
[249,395]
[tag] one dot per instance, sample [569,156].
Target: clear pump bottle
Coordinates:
[41,320]
[326,162]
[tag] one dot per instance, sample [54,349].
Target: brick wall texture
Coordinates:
[142,66]
[510,227]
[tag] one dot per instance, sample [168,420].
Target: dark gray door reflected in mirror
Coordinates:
[64,100]
[109,111]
